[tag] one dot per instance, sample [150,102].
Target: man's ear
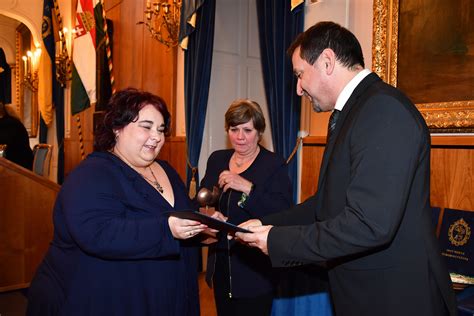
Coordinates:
[328,60]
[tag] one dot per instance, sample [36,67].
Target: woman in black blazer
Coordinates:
[254,183]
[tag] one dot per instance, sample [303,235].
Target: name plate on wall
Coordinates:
[456,242]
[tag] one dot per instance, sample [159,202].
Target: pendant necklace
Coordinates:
[154,182]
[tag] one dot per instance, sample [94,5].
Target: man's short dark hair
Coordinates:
[331,35]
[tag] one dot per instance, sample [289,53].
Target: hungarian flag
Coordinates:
[83,87]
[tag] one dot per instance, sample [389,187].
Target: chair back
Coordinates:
[42,159]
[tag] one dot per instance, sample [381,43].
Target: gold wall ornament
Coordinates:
[162,21]
[444,117]
[62,59]
[30,69]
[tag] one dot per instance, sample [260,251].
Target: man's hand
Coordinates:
[250,223]
[258,237]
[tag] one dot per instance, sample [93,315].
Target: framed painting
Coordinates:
[426,48]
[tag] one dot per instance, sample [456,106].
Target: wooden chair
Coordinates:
[42,159]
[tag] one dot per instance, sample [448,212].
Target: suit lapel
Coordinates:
[354,98]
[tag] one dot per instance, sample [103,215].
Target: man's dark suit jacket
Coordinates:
[370,219]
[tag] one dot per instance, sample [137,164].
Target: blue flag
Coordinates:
[187,23]
[50,33]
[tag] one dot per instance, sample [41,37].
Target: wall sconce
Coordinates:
[62,60]
[162,20]
[30,69]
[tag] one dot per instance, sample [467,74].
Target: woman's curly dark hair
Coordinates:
[122,109]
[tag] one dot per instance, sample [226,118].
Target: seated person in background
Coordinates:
[255,183]
[13,134]
[114,250]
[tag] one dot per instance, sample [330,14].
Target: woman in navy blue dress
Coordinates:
[114,250]
[255,183]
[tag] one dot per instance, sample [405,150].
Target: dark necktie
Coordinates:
[332,123]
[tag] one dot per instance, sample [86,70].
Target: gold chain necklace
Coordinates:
[154,182]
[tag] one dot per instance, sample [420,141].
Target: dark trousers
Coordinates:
[247,306]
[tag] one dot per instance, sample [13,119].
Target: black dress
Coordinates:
[232,268]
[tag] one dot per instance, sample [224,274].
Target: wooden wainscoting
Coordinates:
[72,144]
[313,150]
[452,170]
[26,227]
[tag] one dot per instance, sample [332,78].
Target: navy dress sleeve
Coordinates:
[107,221]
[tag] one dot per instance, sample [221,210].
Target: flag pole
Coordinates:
[108,51]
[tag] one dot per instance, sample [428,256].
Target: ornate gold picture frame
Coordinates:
[440,115]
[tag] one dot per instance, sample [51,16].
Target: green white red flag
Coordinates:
[83,86]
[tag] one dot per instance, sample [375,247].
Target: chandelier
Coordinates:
[162,20]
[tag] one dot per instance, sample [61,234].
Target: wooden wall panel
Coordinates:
[25,223]
[128,44]
[159,70]
[139,61]
[72,145]
[174,151]
[452,170]
[452,177]
[313,149]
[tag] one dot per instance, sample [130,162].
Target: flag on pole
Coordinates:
[188,20]
[53,96]
[83,86]
[49,28]
[104,58]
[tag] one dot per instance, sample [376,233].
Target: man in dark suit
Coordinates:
[370,220]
